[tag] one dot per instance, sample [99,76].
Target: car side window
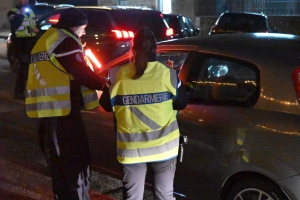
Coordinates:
[173,59]
[223,81]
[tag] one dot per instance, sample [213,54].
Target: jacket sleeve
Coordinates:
[15,19]
[105,100]
[75,64]
[182,98]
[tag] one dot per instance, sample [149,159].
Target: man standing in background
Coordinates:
[23,31]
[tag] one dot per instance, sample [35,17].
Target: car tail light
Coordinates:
[169,32]
[123,34]
[92,57]
[296,79]
[54,19]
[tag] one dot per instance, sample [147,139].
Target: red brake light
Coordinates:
[54,19]
[169,32]
[296,80]
[123,34]
[131,34]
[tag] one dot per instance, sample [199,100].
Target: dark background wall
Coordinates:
[205,7]
[74,2]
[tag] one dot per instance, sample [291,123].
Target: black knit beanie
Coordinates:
[144,39]
[72,17]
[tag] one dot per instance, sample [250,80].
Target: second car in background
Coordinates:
[110,29]
[247,22]
[181,25]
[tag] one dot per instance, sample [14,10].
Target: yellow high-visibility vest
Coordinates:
[48,84]
[147,128]
[29,22]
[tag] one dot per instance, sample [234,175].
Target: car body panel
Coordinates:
[228,140]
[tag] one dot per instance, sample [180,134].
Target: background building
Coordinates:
[283,14]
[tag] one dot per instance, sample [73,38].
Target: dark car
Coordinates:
[246,22]
[181,25]
[110,29]
[242,122]
[41,9]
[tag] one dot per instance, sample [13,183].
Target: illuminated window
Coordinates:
[167,6]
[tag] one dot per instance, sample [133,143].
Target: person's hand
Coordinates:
[35,29]
[170,63]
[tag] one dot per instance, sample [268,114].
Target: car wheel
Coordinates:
[256,189]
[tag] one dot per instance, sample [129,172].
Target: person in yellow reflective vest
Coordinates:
[60,82]
[23,31]
[144,96]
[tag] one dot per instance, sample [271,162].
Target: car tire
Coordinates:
[256,189]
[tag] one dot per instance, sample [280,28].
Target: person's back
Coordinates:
[142,96]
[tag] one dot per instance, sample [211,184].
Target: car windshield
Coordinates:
[243,21]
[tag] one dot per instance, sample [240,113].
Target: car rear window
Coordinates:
[132,20]
[243,21]
[173,22]
[98,21]
[40,10]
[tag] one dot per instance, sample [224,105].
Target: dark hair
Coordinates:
[144,46]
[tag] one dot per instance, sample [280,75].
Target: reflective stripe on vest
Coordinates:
[90,97]
[147,129]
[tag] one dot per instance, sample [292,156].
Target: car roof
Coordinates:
[128,9]
[254,47]
[243,13]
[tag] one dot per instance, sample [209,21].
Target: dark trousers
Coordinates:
[21,48]
[20,84]
[69,156]
[134,180]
